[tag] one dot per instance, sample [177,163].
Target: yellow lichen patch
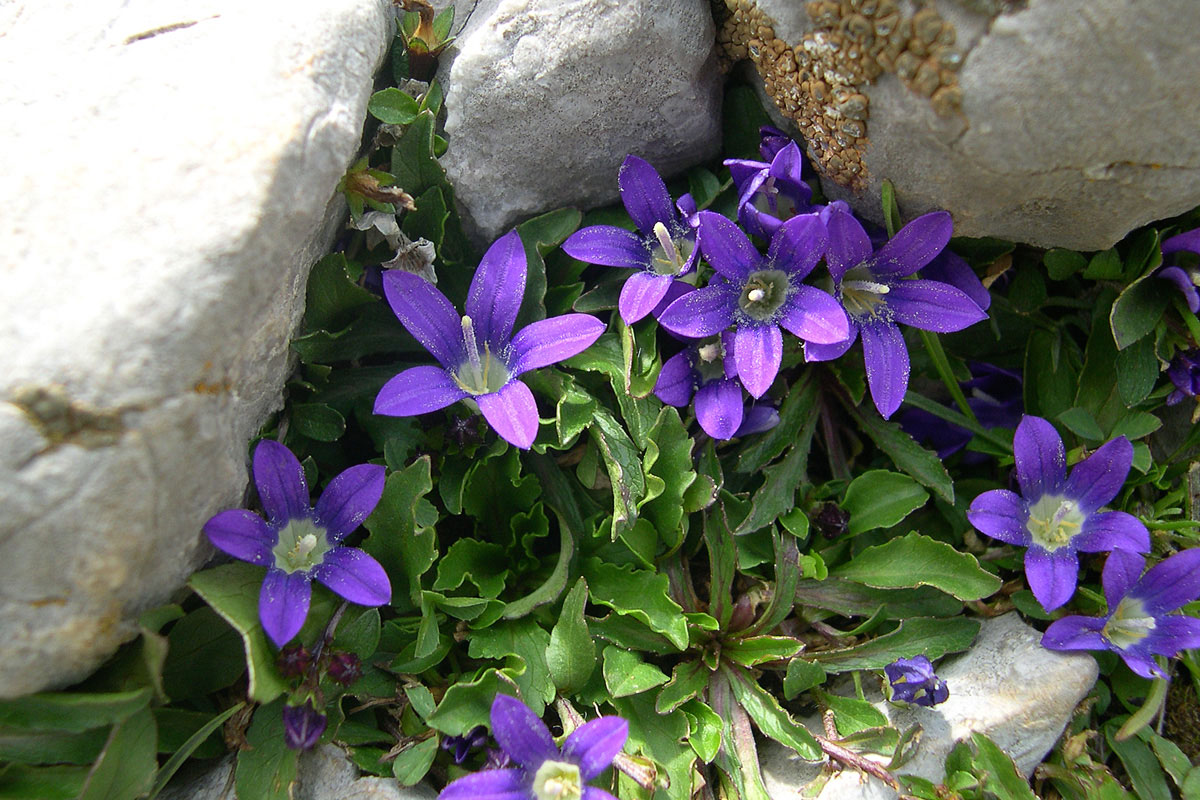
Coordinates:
[819,83]
[61,420]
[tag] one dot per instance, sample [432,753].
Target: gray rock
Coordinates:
[1007,686]
[168,175]
[325,773]
[1067,124]
[545,98]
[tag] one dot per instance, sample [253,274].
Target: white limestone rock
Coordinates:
[168,168]
[1076,127]
[545,98]
[1007,686]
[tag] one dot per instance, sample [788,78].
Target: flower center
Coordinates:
[863,297]
[670,254]
[709,362]
[763,293]
[1128,625]
[1054,521]
[770,200]
[302,545]
[557,780]
[481,373]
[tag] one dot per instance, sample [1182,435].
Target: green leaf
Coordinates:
[851,714]
[625,673]
[127,764]
[71,712]
[393,107]
[797,412]
[640,594]
[1137,371]
[20,782]
[741,117]
[891,211]
[1104,266]
[703,186]
[471,559]
[413,163]
[168,770]
[849,598]
[442,24]
[332,296]
[412,764]
[769,716]
[1002,777]
[554,584]
[880,499]
[571,654]
[359,634]
[522,643]
[318,422]
[468,703]
[1062,264]
[267,769]
[704,729]
[1140,764]
[777,494]
[1173,760]
[910,457]
[204,654]
[1050,374]
[688,679]
[1137,310]
[624,466]
[669,474]
[232,590]
[801,676]
[890,566]
[1080,422]
[927,636]
[402,536]
[1135,425]
[25,746]
[754,650]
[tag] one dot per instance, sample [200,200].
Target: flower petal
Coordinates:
[1097,479]
[243,535]
[491,784]
[798,245]
[849,244]
[427,315]
[349,499]
[283,604]
[932,306]
[886,359]
[640,295]
[512,413]
[282,489]
[551,340]
[815,316]
[1110,530]
[742,170]
[592,793]
[757,354]
[914,245]
[609,246]
[830,352]
[355,576]
[1172,634]
[676,380]
[418,390]
[1001,515]
[1188,240]
[1075,633]
[949,267]
[1170,583]
[1041,461]
[1051,576]
[521,735]
[701,313]
[1121,571]
[719,408]
[1182,282]
[644,194]
[1140,662]
[497,290]
[726,248]
[595,744]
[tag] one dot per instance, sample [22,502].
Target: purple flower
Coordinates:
[1184,280]
[480,356]
[297,543]
[344,668]
[1057,515]
[756,295]
[461,746]
[772,140]
[770,194]
[665,249]
[993,394]
[302,726]
[704,370]
[876,292]
[1139,624]
[912,680]
[1184,372]
[543,772]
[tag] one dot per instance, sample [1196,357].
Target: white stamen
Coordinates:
[756,295]
[867,286]
[665,242]
[305,545]
[709,352]
[468,330]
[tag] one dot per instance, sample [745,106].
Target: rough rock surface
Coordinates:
[167,188]
[1006,686]
[325,774]
[1069,126]
[544,98]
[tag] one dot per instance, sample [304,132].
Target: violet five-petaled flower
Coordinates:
[1184,280]
[302,726]
[1139,624]
[757,294]
[769,194]
[298,543]
[877,293]
[664,249]
[480,356]
[1184,373]
[1058,515]
[543,772]
[704,369]
[912,680]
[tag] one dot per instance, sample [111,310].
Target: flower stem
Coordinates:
[933,346]
[1142,717]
